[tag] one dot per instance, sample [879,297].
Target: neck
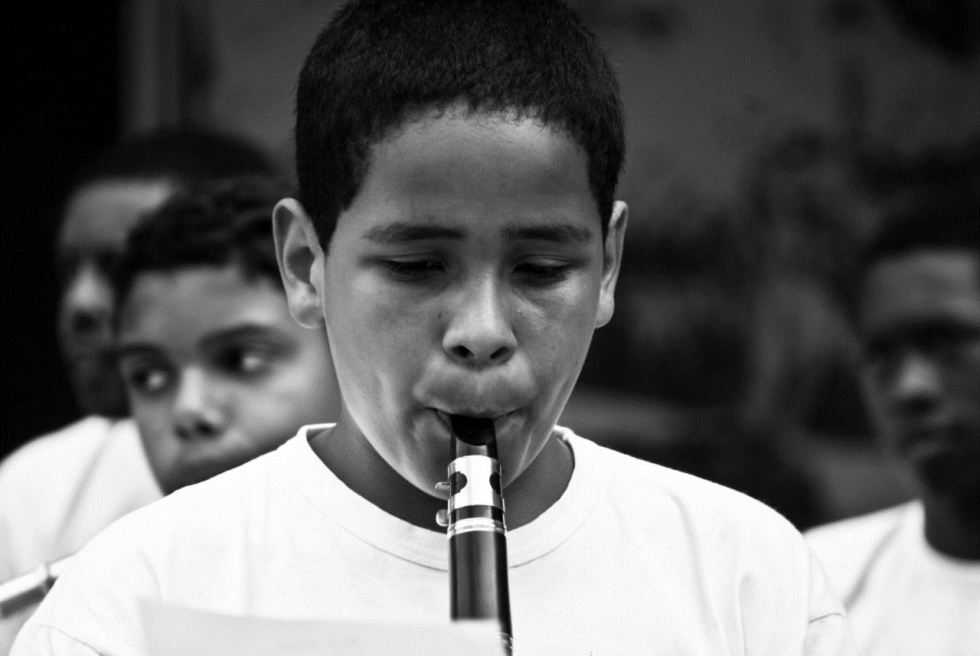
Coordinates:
[352,459]
[953,524]
[540,485]
[348,454]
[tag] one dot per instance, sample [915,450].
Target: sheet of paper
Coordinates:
[175,631]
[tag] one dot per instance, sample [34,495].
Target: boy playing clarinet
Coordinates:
[456,232]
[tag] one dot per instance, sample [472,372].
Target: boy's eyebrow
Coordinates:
[244,331]
[216,338]
[401,232]
[562,233]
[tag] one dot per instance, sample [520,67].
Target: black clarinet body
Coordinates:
[477,532]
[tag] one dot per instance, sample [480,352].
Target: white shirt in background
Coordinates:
[60,489]
[903,598]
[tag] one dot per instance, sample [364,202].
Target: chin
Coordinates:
[950,474]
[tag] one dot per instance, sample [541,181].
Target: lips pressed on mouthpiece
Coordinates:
[475,431]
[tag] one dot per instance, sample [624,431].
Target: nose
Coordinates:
[479,332]
[87,302]
[196,412]
[917,384]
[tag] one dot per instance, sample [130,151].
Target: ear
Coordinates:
[300,259]
[612,257]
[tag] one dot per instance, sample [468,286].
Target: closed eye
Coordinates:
[543,273]
[412,270]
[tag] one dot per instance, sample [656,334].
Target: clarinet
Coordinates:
[476,530]
[24,591]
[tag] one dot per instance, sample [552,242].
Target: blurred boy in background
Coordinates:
[909,576]
[60,489]
[216,370]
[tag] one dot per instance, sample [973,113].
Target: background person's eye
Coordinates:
[148,380]
[879,356]
[946,340]
[249,360]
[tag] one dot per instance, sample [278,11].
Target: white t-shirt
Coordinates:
[902,597]
[60,489]
[633,558]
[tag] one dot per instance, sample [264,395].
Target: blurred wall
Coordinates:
[61,90]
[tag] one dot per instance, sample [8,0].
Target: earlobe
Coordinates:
[612,256]
[300,259]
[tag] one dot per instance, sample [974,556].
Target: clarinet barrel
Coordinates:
[477,531]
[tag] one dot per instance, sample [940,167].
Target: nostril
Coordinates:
[918,405]
[84,321]
[500,354]
[196,430]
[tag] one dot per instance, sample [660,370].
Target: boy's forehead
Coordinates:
[472,157]
[101,213]
[192,299]
[922,285]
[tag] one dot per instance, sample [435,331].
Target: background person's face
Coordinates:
[920,324]
[92,237]
[467,277]
[217,371]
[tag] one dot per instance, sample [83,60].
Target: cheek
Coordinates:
[872,392]
[562,332]
[965,386]
[377,343]
[160,443]
[268,415]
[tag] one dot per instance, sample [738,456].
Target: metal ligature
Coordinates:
[476,529]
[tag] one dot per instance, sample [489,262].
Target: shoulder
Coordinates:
[60,489]
[659,487]
[47,471]
[861,529]
[736,535]
[196,514]
[63,446]
[736,548]
[845,547]
[144,554]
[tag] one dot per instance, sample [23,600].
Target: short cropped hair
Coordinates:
[181,154]
[945,218]
[381,63]
[215,223]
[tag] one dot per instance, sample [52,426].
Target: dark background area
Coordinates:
[61,106]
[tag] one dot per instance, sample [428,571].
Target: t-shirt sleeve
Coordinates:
[827,632]
[93,606]
[829,636]
[41,640]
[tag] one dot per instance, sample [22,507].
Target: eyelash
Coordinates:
[545,273]
[420,270]
[412,270]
